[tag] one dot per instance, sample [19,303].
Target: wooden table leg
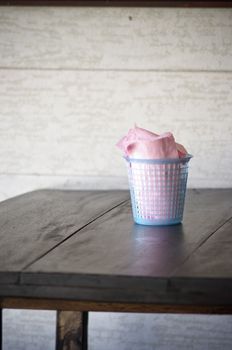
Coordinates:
[72,330]
[1,324]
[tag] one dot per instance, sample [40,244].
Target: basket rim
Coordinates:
[185,159]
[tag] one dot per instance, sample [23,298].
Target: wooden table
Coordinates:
[79,251]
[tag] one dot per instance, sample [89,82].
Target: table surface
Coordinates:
[84,246]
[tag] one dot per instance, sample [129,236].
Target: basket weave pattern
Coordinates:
[157,190]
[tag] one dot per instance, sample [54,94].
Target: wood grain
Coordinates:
[74,305]
[121,248]
[209,260]
[1,328]
[115,260]
[111,259]
[114,38]
[70,331]
[33,224]
[59,119]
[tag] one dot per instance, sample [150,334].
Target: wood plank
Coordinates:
[122,248]
[213,258]
[115,260]
[74,305]
[66,107]
[124,38]
[223,235]
[34,223]
[1,325]
[70,330]
[166,291]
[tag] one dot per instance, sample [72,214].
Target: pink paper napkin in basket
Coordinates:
[143,144]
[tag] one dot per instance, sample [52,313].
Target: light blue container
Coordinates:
[157,189]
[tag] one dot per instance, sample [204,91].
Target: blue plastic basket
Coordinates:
[157,189]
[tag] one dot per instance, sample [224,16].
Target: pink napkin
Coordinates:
[143,144]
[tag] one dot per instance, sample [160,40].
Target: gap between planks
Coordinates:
[204,240]
[68,237]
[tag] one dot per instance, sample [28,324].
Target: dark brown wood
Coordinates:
[1,325]
[213,258]
[73,305]
[71,330]
[113,260]
[35,223]
[85,330]
[120,3]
